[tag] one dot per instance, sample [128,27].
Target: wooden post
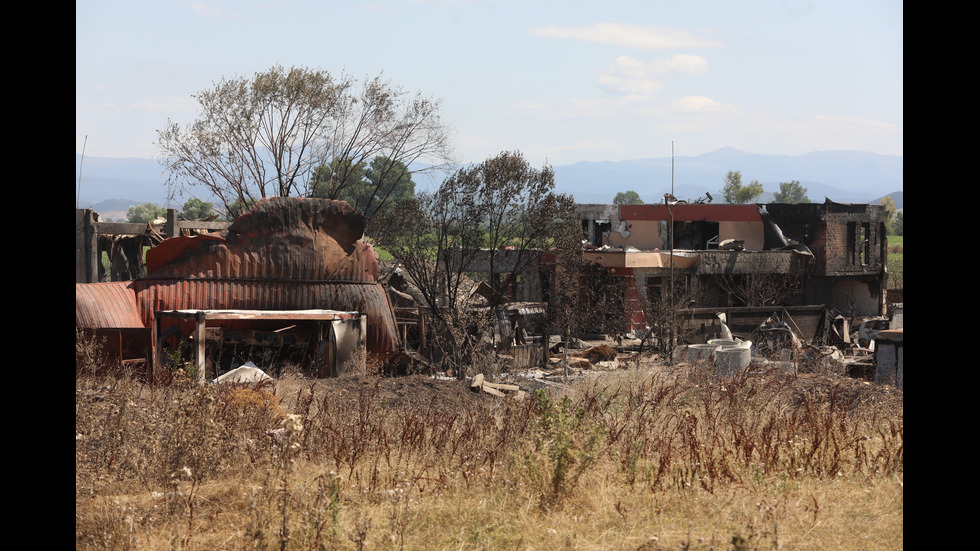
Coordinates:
[170,229]
[199,356]
[156,350]
[86,247]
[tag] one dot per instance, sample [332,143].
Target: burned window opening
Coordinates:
[865,243]
[694,235]
[655,290]
[593,230]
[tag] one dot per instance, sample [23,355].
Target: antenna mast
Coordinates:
[79,188]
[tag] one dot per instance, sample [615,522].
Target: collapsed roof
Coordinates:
[285,253]
[278,238]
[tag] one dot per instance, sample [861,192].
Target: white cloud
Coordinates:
[698,105]
[682,63]
[631,76]
[638,86]
[630,36]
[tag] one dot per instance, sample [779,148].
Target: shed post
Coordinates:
[86,247]
[200,318]
[170,230]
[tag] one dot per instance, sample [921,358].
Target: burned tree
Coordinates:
[763,289]
[587,298]
[481,214]
[660,297]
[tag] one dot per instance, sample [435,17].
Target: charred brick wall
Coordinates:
[855,240]
[845,239]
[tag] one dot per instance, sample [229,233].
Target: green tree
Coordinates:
[629,197]
[237,208]
[196,209]
[389,181]
[737,194]
[791,192]
[267,135]
[374,188]
[338,170]
[889,205]
[144,213]
[897,227]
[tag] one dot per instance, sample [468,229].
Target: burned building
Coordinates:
[698,260]
[291,275]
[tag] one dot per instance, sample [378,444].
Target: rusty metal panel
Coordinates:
[279,238]
[106,305]
[220,294]
[282,254]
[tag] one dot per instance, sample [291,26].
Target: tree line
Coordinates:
[734,192]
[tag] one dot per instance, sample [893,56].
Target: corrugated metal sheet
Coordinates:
[279,238]
[219,294]
[106,305]
[283,254]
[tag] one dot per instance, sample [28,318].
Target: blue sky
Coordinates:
[561,81]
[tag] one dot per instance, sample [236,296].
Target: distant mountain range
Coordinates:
[112,185]
[842,176]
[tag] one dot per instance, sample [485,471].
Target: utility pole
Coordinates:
[670,341]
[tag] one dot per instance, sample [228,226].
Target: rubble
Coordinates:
[479,383]
[245,374]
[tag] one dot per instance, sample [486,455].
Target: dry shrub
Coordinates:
[258,403]
[753,461]
[90,359]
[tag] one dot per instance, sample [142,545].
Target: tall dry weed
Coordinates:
[360,474]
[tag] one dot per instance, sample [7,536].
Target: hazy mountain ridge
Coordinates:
[843,176]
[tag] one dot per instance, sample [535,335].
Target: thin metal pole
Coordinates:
[670,342]
[78,191]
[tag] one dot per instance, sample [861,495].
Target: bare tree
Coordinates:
[587,298]
[501,206]
[764,289]
[265,136]
[520,210]
[659,304]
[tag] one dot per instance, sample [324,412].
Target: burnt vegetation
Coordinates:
[346,463]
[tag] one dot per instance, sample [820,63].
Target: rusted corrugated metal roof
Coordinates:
[279,238]
[105,305]
[265,315]
[221,294]
[283,254]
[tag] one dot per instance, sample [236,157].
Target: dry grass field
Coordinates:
[636,459]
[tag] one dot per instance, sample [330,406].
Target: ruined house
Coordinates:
[813,261]
[291,277]
[821,266]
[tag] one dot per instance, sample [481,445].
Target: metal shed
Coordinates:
[337,339]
